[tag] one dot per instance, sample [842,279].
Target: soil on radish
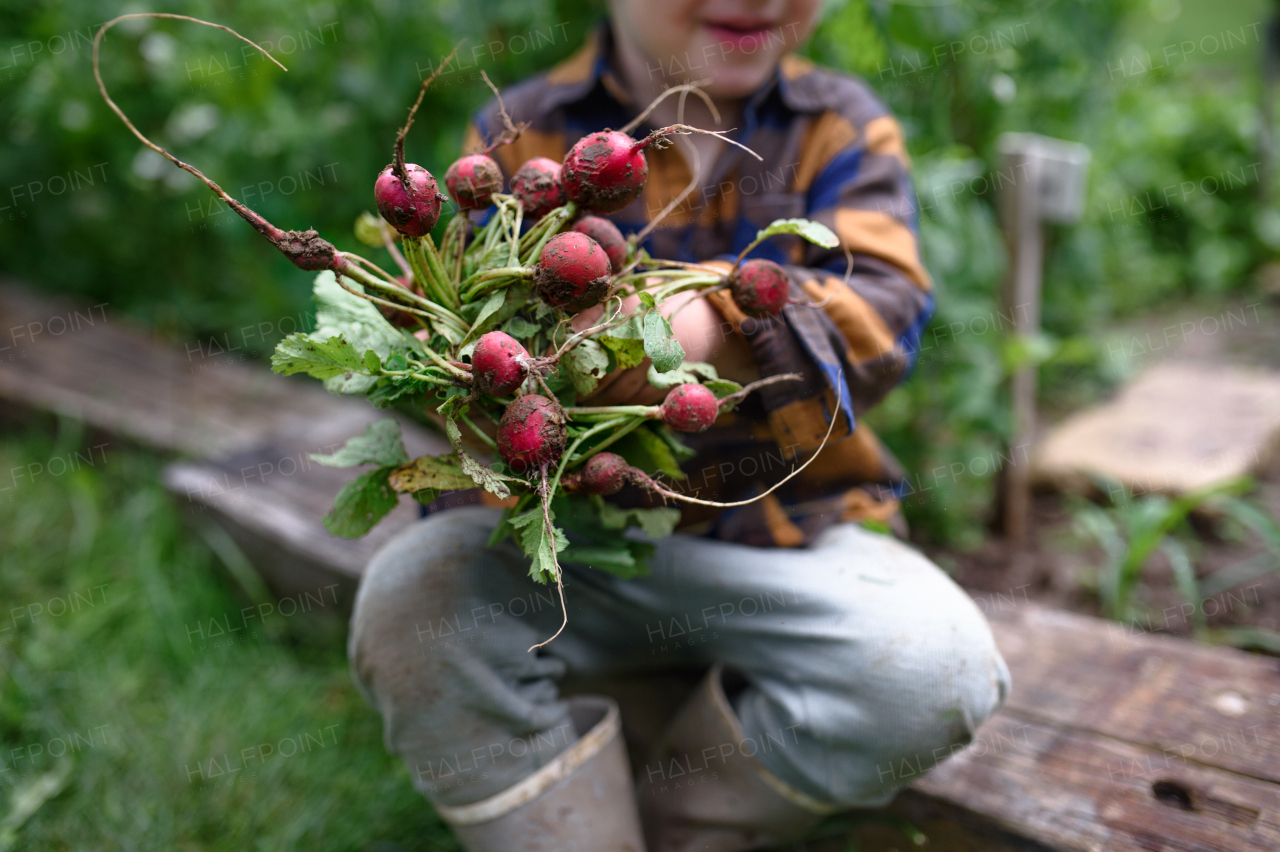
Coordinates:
[412,210]
[605,474]
[607,235]
[760,288]
[472,180]
[537,185]
[605,171]
[690,408]
[533,432]
[573,272]
[308,250]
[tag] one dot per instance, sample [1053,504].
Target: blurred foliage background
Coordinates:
[85,210]
[302,147]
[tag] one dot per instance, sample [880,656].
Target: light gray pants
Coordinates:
[864,664]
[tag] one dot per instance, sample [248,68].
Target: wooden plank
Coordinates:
[1153,691]
[84,362]
[1074,789]
[248,430]
[1177,427]
[271,499]
[1111,739]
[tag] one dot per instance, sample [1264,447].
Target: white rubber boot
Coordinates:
[583,801]
[696,796]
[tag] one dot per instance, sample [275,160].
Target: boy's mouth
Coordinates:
[742,33]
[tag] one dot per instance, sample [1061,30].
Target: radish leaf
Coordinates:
[689,372]
[660,343]
[814,232]
[656,523]
[588,363]
[722,387]
[442,473]
[379,444]
[540,545]
[483,475]
[361,503]
[321,359]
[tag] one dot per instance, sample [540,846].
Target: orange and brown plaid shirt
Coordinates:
[831,153]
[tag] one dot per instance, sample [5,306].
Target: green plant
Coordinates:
[162,666]
[959,75]
[1134,529]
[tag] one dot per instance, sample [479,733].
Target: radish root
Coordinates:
[512,131]
[544,492]
[645,481]
[686,87]
[398,157]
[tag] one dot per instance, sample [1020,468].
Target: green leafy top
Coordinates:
[814,232]
[379,444]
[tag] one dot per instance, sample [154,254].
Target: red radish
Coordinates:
[537,185]
[760,288]
[413,211]
[472,180]
[605,473]
[605,171]
[499,363]
[689,408]
[608,236]
[573,272]
[532,433]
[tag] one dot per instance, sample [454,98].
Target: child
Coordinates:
[828,657]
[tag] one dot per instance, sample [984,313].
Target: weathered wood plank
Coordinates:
[249,430]
[120,379]
[1074,789]
[1153,691]
[1177,427]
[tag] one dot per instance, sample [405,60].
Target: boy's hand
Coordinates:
[702,332]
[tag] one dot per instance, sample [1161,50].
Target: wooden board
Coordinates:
[1156,692]
[1176,427]
[1111,740]
[246,433]
[85,362]
[1073,789]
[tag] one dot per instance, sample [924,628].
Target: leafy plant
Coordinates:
[1134,529]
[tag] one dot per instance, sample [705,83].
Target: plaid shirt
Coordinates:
[831,153]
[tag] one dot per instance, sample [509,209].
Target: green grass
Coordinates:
[121,656]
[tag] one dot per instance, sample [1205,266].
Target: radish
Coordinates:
[605,474]
[413,208]
[472,180]
[499,364]
[537,185]
[532,433]
[689,408]
[760,288]
[573,272]
[608,236]
[605,171]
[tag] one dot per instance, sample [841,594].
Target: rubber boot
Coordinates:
[583,801]
[701,791]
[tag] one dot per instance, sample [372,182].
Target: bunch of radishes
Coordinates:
[479,323]
[582,260]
